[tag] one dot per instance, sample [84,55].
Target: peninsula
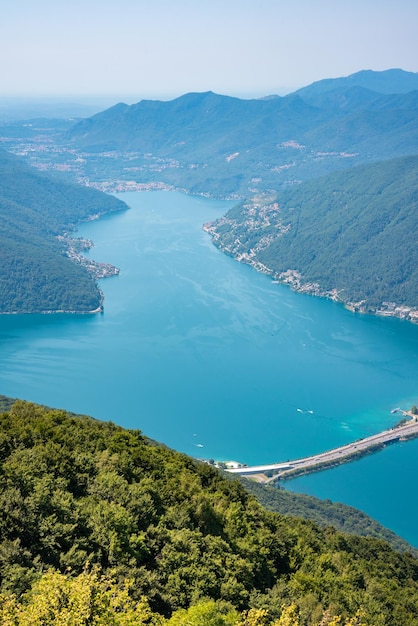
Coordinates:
[43,268]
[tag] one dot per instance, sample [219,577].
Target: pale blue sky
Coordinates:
[162,48]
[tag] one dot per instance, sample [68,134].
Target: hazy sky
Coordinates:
[164,48]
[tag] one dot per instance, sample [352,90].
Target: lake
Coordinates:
[215,360]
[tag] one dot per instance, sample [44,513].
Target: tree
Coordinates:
[207,613]
[59,600]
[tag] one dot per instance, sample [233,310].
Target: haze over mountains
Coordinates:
[208,143]
[389,81]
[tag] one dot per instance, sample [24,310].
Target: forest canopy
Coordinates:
[37,274]
[91,510]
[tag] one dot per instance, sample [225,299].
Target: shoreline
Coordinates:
[294,280]
[53,312]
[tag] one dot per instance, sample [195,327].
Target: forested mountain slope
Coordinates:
[350,236]
[37,274]
[150,532]
[195,125]
[325,513]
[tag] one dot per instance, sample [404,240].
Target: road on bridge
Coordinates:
[335,456]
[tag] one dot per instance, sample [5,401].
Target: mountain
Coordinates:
[210,144]
[102,525]
[213,144]
[36,211]
[349,236]
[350,100]
[387,81]
[206,122]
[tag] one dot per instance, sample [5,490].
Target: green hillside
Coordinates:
[325,513]
[103,526]
[349,236]
[37,274]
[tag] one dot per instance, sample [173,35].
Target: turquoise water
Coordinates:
[212,358]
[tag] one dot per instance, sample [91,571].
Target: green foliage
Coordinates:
[6,403]
[353,232]
[207,613]
[75,490]
[37,275]
[60,600]
[326,513]
[164,535]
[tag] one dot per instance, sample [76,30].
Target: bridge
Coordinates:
[330,458]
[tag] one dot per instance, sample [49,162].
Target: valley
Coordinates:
[208,218]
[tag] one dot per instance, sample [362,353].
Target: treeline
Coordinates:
[36,273]
[100,525]
[352,232]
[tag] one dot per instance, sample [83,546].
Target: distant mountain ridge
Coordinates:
[190,121]
[209,143]
[387,81]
